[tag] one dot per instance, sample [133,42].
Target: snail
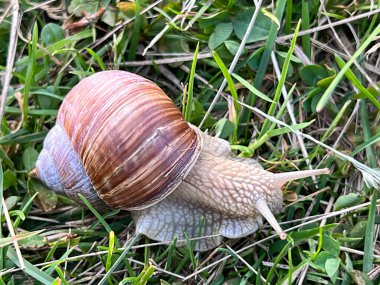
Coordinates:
[122,143]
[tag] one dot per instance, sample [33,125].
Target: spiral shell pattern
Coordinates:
[130,138]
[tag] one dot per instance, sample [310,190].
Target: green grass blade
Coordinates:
[97,58]
[251,88]
[356,82]
[25,210]
[277,132]
[119,260]
[52,250]
[371,156]
[32,112]
[306,44]
[369,243]
[284,71]
[98,216]
[111,245]
[22,138]
[48,94]
[288,16]
[30,269]
[329,91]
[190,90]
[136,32]
[29,74]
[366,143]
[57,46]
[269,46]
[372,161]
[255,144]
[146,274]
[61,275]
[277,261]
[228,77]
[332,126]
[1,213]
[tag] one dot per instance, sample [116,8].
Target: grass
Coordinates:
[290,101]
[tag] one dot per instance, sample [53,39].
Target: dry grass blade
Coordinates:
[12,232]
[327,26]
[11,54]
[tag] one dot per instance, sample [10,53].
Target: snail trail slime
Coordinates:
[168,173]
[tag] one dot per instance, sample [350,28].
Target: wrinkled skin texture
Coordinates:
[222,190]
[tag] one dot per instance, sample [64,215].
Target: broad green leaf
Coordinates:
[348,200]
[325,82]
[29,158]
[331,267]
[313,73]
[255,59]
[78,7]
[10,179]
[321,259]
[51,33]
[260,30]
[213,19]
[330,245]
[46,198]
[232,46]
[221,33]
[224,128]
[358,231]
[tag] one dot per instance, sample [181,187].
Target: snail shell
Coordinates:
[123,144]
[124,133]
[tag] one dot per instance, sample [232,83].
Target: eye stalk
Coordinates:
[281,178]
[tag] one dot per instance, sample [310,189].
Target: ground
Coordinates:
[292,84]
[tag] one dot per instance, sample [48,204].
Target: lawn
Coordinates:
[294,85]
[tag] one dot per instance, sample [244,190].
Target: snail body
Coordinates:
[122,143]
